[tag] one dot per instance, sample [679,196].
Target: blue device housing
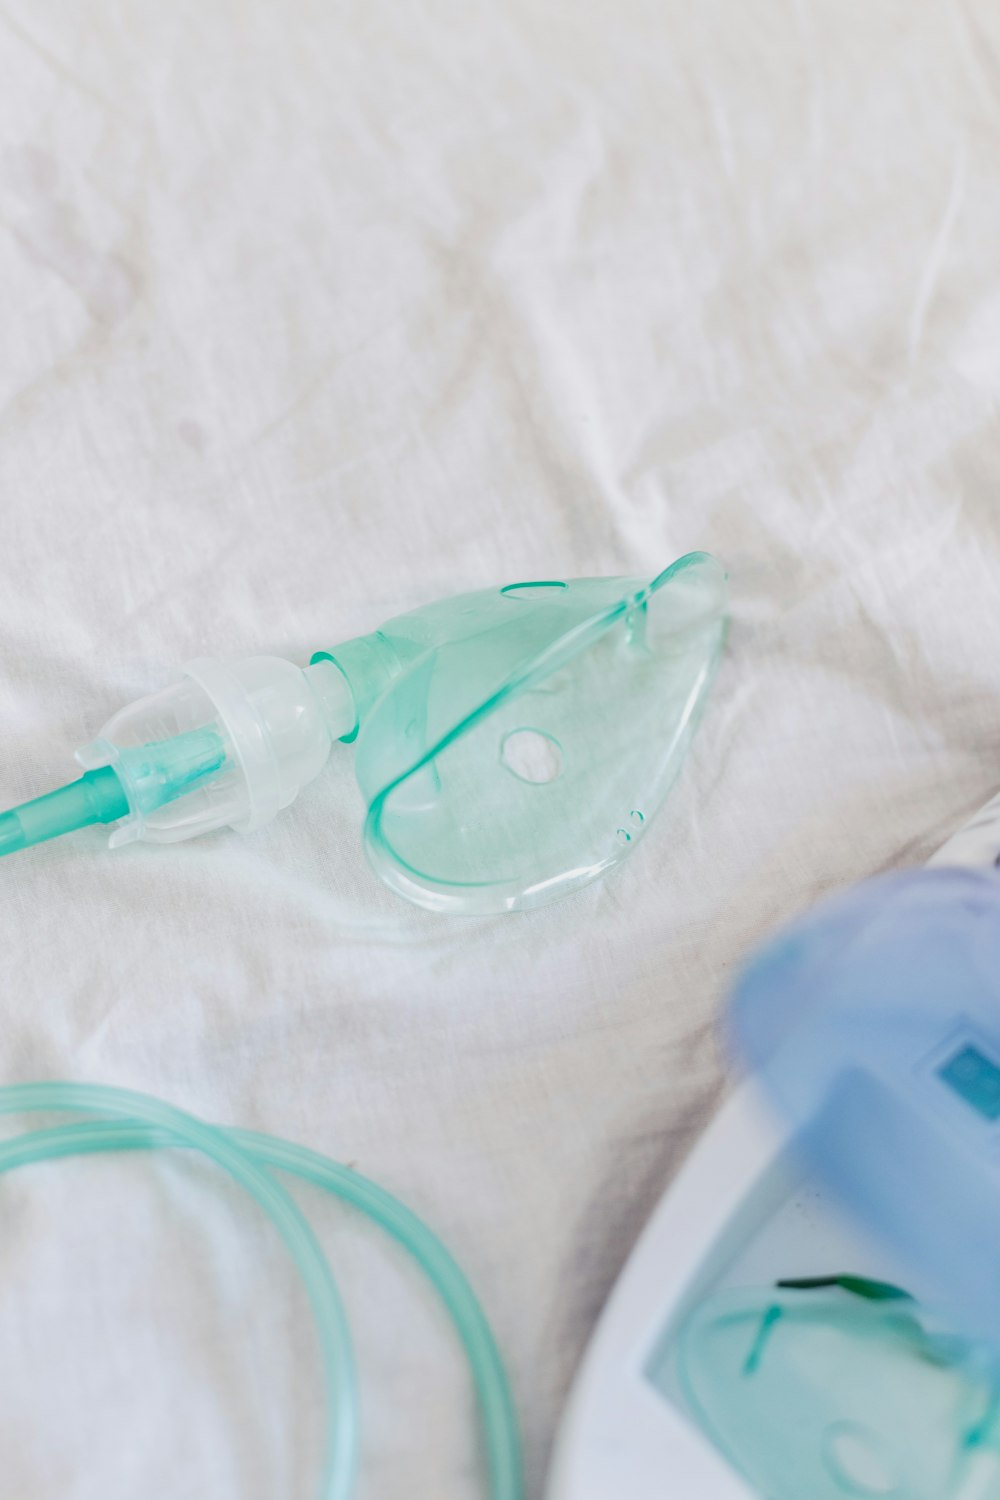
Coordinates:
[874,1024]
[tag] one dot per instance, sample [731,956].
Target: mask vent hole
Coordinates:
[531,755]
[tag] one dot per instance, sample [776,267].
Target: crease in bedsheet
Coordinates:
[61,69]
[934,266]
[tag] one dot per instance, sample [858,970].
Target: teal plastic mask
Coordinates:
[511,744]
[516,743]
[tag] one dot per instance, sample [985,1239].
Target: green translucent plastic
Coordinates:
[97,797]
[838,1389]
[161,773]
[137,1122]
[512,744]
[515,743]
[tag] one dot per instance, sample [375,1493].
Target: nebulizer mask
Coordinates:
[510,744]
[873,1026]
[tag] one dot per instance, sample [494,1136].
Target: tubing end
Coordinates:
[11,833]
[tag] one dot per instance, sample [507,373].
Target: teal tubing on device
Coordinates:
[139,1122]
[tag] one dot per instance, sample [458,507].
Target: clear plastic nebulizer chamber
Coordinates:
[511,744]
[228,745]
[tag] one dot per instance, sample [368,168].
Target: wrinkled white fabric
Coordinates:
[312,312]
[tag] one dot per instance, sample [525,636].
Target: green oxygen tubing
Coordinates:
[130,1121]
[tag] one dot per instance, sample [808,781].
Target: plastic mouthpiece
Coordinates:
[97,797]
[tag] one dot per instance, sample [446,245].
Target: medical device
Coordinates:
[511,744]
[814,1308]
[120,1120]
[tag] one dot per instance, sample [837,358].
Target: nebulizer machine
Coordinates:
[510,745]
[813,1311]
[872,1028]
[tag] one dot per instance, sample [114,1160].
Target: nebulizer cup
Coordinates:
[510,744]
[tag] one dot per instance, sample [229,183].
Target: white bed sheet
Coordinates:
[311,312]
